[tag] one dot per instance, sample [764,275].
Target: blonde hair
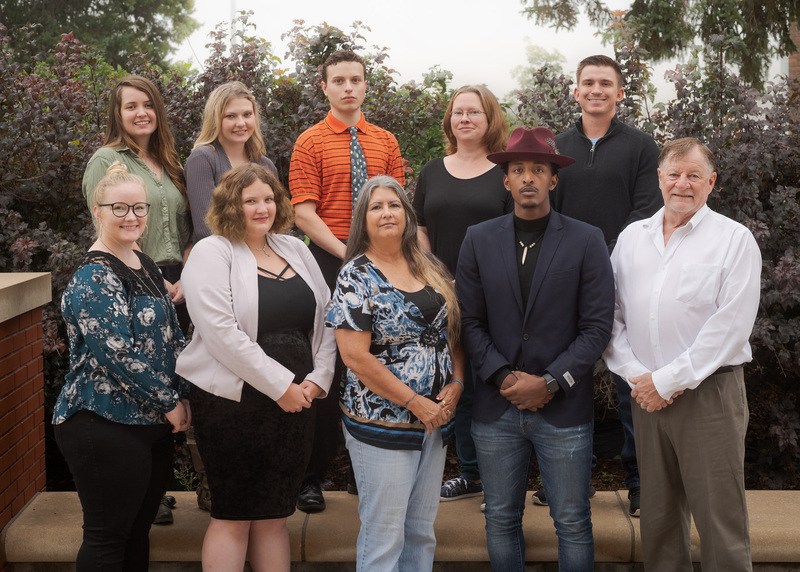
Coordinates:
[424,266]
[215,111]
[225,216]
[116,174]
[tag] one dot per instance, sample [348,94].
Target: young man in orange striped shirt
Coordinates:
[322,195]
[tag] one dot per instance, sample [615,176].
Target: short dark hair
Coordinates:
[226,217]
[340,56]
[682,147]
[601,61]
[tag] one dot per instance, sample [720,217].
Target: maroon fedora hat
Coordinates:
[537,144]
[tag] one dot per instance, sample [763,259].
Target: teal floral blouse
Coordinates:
[124,340]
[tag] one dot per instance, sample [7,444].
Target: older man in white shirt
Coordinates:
[688,286]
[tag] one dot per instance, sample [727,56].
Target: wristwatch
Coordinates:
[552,384]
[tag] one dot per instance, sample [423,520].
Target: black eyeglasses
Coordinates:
[122,209]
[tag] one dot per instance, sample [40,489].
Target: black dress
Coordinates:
[254,452]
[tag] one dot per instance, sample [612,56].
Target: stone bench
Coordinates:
[46,535]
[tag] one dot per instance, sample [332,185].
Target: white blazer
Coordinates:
[220,282]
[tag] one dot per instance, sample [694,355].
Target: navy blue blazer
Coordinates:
[565,327]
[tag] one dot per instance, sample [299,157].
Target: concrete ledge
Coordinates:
[21,292]
[48,530]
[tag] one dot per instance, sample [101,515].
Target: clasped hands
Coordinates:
[434,414]
[299,397]
[646,395]
[526,391]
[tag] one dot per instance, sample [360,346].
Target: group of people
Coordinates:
[476,313]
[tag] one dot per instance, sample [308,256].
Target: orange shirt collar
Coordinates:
[339,127]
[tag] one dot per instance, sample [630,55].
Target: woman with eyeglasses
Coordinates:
[138,136]
[453,193]
[121,399]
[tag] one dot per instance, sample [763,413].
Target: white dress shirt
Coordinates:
[686,308]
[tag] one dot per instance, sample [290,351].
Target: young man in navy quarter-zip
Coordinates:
[613,182]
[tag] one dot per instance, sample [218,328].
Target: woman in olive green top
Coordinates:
[138,136]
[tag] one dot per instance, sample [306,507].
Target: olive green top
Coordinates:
[168,222]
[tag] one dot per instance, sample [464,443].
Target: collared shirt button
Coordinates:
[525,337]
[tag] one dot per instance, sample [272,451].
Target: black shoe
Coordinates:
[633,496]
[311,499]
[164,514]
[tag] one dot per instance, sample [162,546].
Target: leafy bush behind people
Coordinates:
[52,118]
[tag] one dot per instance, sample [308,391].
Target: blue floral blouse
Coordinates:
[411,348]
[124,340]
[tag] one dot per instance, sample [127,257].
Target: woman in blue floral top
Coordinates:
[121,400]
[397,322]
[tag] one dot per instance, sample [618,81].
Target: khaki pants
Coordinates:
[691,463]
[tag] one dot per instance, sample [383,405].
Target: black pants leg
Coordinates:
[120,472]
[327,432]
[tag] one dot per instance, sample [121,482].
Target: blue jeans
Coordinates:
[398,496]
[628,455]
[505,447]
[465,447]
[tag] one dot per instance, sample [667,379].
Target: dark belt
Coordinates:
[726,369]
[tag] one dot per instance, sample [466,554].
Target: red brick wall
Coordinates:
[22,465]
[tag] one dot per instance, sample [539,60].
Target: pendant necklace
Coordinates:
[525,252]
[264,248]
[151,289]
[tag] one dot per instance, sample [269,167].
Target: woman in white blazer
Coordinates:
[259,356]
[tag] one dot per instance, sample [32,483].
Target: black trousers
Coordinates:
[328,435]
[121,473]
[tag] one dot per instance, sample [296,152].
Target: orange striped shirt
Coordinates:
[320,169]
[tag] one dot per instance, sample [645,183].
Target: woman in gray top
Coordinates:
[230,136]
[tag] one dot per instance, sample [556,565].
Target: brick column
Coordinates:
[22,460]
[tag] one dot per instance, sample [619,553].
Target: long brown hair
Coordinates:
[161,144]
[424,266]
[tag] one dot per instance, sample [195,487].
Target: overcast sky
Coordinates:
[479,41]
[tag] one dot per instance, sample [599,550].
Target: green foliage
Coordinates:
[115,29]
[52,119]
[756,139]
[756,31]
[538,58]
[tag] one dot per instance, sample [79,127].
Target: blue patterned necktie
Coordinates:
[358,164]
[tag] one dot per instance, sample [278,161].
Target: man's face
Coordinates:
[345,87]
[530,183]
[686,183]
[598,91]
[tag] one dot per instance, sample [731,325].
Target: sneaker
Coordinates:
[539,497]
[633,496]
[460,488]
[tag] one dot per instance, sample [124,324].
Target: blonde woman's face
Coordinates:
[128,228]
[238,122]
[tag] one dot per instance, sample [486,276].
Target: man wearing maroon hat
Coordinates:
[537,298]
